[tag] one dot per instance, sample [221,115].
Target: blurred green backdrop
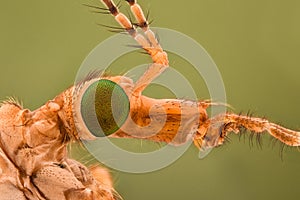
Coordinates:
[254,43]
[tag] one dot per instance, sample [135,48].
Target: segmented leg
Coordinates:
[149,43]
[215,130]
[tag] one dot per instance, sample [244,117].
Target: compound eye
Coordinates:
[104,107]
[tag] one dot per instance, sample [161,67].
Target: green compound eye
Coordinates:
[109,103]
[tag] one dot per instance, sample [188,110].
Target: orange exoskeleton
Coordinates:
[34,163]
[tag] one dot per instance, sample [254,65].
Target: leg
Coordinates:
[149,43]
[215,130]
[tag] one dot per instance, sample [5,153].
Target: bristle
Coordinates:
[259,141]
[91,75]
[113,29]
[251,136]
[13,101]
[281,150]
[95,7]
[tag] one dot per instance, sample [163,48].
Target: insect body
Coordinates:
[33,155]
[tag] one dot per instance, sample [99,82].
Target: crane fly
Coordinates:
[34,163]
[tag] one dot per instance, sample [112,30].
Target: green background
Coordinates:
[254,43]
